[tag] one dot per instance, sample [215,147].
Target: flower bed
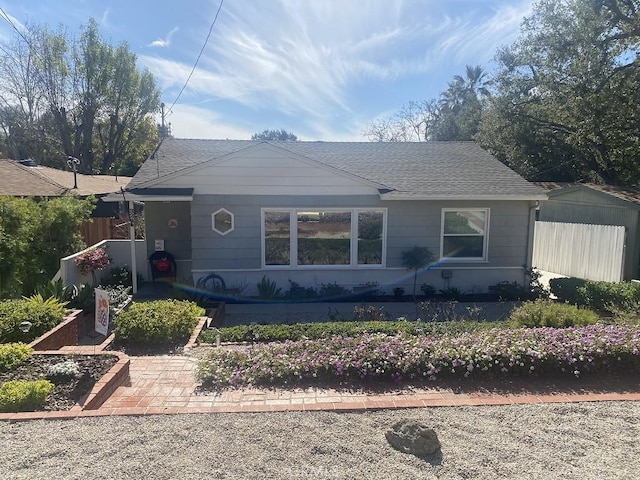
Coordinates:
[536,351]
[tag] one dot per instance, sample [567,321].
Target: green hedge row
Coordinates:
[317,330]
[539,313]
[157,322]
[604,296]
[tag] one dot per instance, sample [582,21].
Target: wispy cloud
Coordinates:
[304,59]
[166,41]
[195,122]
[104,18]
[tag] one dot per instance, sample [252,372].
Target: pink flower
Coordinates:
[92,260]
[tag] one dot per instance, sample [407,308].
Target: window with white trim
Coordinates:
[350,237]
[464,234]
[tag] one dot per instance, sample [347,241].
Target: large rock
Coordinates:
[411,437]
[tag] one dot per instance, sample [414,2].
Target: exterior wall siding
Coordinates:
[177,241]
[238,253]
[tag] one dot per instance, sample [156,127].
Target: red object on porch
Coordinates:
[163,266]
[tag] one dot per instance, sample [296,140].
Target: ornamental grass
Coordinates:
[374,357]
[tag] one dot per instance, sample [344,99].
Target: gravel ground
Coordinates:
[551,441]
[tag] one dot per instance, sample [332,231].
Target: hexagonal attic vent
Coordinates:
[222,221]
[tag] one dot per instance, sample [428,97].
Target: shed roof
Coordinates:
[404,170]
[628,194]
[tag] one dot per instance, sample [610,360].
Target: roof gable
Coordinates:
[266,169]
[427,170]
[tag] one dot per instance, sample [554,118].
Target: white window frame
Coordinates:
[293,231]
[485,245]
[213,221]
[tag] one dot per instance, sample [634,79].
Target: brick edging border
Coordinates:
[101,391]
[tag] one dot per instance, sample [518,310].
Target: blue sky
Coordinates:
[322,69]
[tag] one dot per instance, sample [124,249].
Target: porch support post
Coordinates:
[132,236]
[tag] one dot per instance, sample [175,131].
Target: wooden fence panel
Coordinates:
[103,228]
[592,252]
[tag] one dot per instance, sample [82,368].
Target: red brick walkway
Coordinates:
[166,385]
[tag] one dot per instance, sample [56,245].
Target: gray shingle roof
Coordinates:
[426,169]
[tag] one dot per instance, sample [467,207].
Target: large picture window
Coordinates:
[323,237]
[464,234]
[277,238]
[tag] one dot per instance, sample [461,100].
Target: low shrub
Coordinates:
[332,290]
[566,289]
[56,289]
[24,396]
[268,289]
[64,370]
[428,290]
[42,314]
[606,296]
[298,292]
[375,357]
[157,322]
[545,313]
[86,298]
[13,354]
[318,330]
[511,291]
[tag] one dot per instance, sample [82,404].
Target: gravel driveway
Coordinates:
[550,441]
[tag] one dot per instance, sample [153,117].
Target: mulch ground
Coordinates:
[68,390]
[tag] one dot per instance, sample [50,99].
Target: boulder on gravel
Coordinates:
[412,437]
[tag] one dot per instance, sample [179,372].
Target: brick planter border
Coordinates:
[118,375]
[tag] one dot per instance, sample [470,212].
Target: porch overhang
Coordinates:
[151,195]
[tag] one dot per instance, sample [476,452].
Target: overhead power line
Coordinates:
[206,40]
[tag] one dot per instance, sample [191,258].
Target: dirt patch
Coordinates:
[68,390]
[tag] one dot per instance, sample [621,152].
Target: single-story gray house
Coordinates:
[336,212]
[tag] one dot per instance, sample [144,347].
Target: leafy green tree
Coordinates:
[455,115]
[567,92]
[280,135]
[76,97]
[15,236]
[34,236]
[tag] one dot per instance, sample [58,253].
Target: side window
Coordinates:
[464,234]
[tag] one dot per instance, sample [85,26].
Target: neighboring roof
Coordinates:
[20,181]
[25,181]
[628,194]
[404,170]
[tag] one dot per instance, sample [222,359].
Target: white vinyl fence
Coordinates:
[592,252]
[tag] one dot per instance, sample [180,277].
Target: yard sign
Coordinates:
[102,311]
